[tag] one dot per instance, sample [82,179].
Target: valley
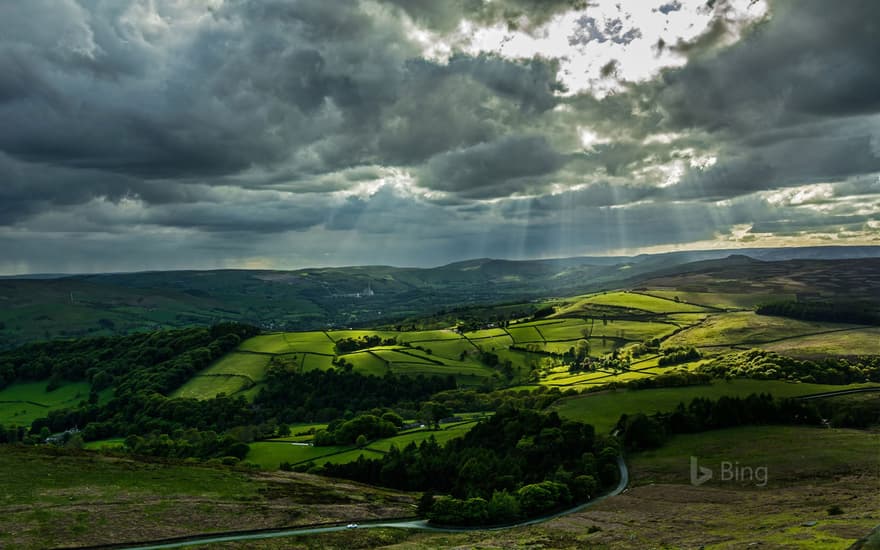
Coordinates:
[263,412]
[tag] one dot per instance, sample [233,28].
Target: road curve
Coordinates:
[421,525]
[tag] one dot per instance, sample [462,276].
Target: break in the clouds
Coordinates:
[283,133]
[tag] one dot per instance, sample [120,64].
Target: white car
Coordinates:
[351,526]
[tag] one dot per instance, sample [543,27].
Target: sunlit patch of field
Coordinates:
[862,341]
[232,373]
[523,334]
[748,328]
[722,300]
[270,454]
[629,301]
[24,402]
[633,330]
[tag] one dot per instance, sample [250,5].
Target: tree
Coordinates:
[361,441]
[504,508]
[433,412]
[581,350]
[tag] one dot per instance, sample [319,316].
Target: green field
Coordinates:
[269,454]
[233,373]
[863,341]
[24,402]
[721,300]
[289,342]
[644,302]
[603,409]
[442,436]
[742,328]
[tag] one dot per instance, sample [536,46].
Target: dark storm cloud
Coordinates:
[795,102]
[513,163]
[809,60]
[246,123]
[313,86]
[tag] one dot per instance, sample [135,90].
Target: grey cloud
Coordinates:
[820,223]
[497,168]
[784,164]
[807,60]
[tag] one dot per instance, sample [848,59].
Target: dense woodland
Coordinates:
[516,463]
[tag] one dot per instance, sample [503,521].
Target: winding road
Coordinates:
[420,525]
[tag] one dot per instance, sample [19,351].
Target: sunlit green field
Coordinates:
[234,372]
[630,300]
[748,328]
[24,402]
[863,341]
[722,300]
[288,342]
[270,454]
[644,302]
[603,409]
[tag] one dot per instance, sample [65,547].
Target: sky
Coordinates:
[172,134]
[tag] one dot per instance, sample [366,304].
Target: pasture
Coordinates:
[862,341]
[270,454]
[603,409]
[721,300]
[232,373]
[24,402]
[748,329]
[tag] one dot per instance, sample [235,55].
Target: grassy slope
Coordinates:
[234,372]
[269,454]
[724,300]
[603,409]
[851,342]
[78,499]
[748,328]
[22,403]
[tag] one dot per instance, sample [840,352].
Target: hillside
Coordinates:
[61,498]
[308,299]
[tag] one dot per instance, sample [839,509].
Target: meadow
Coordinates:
[861,341]
[24,402]
[749,329]
[270,454]
[603,409]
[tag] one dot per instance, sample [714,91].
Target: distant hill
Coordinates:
[49,306]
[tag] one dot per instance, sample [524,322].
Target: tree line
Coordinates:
[860,313]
